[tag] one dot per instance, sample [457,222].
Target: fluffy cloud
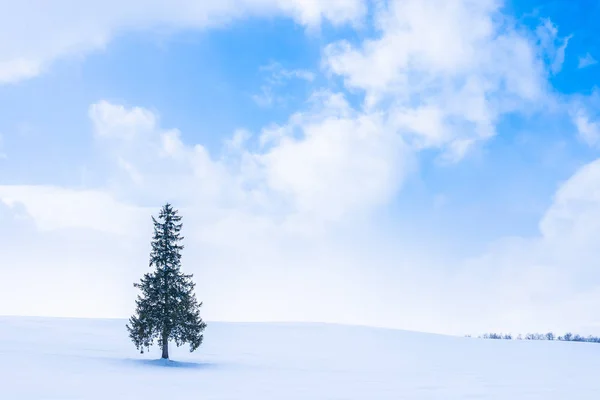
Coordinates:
[300,169]
[575,214]
[148,163]
[343,161]
[69,27]
[546,282]
[446,70]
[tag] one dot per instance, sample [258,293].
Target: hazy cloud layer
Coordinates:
[70,27]
[283,223]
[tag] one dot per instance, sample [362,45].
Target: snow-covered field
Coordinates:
[93,359]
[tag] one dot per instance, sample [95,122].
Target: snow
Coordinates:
[46,358]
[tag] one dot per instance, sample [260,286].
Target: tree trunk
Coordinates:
[165,346]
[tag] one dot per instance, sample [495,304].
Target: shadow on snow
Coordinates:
[161,363]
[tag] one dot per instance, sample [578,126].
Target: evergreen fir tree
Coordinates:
[167,308]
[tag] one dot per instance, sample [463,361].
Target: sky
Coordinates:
[429,165]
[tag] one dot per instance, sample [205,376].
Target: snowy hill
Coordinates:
[45,358]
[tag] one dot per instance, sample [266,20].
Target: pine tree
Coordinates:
[167,308]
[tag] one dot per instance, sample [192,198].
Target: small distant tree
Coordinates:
[578,338]
[549,336]
[167,308]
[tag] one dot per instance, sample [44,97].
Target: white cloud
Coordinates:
[587,61]
[54,208]
[560,56]
[297,181]
[575,214]
[265,98]
[15,70]
[548,282]
[343,161]
[120,123]
[445,70]
[238,141]
[589,131]
[303,167]
[153,159]
[41,32]
[553,45]
[278,74]
[276,79]
[585,117]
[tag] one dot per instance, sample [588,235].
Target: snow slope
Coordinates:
[45,358]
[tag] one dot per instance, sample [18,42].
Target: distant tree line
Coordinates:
[567,337]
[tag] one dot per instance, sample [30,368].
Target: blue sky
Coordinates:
[314,143]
